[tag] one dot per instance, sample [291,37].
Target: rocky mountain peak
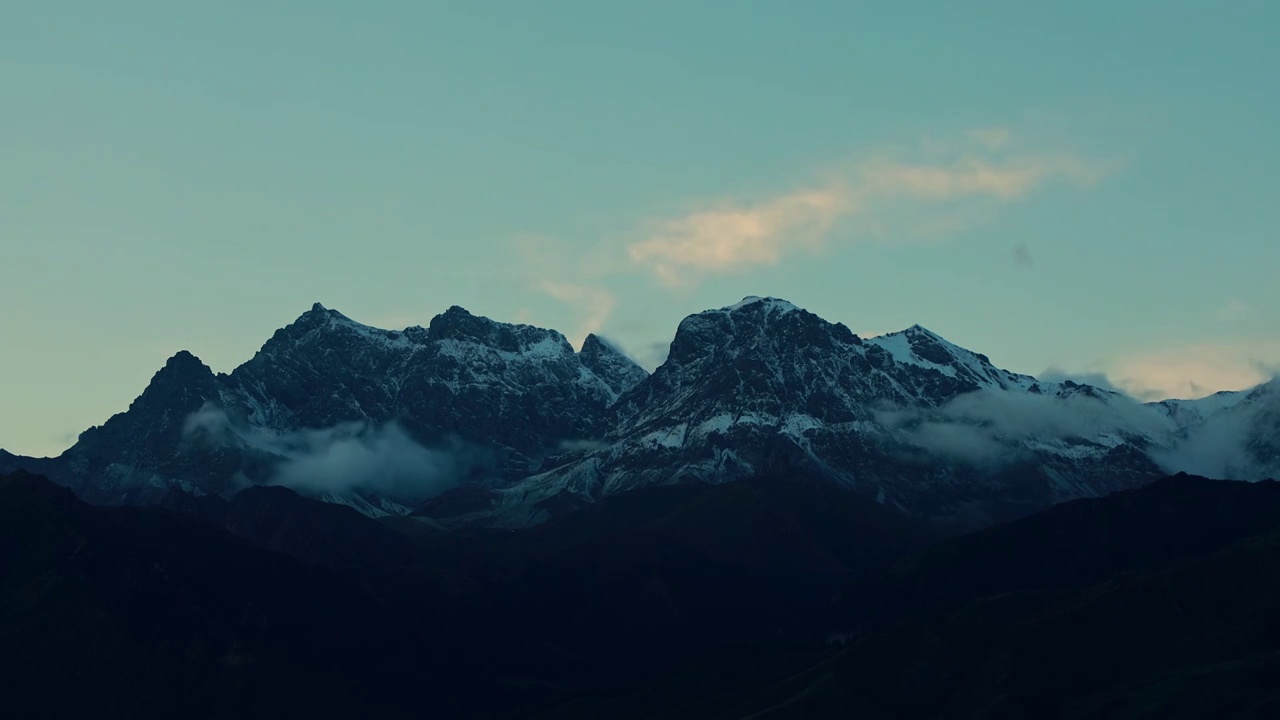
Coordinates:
[756,327]
[457,323]
[185,362]
[743,385]
[761,305]
[180,373]
[610,364]
[318,315]
[319,320]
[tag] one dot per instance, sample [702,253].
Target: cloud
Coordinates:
[593,305]
[732,236]
[1022,254]
[967,444]
[1215,449]
[990,429]
[1237,444]
[348,458]
[1022,415]
[971,175]
[986,427]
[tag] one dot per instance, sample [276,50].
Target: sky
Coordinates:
[1083,189]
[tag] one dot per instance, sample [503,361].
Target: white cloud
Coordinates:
[734,236]
[731,237]
[984,426]
[352,457]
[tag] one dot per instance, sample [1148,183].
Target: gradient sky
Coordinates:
[1088,186]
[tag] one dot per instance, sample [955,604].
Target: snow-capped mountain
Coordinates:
[1228,435]
[908,418]
[498,397]
[382,419]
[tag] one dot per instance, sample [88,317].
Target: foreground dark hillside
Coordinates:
[138,612]
[271,601]
[687,601]
[1156,603]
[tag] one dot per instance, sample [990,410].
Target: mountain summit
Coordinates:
[510,393]
[527,427]
[908,418]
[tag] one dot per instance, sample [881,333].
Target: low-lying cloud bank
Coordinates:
[991,428]
[352,457]
[988,426]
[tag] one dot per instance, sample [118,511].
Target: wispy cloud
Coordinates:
[541,265]
[731,237]
[971,175]
[352,457]
[734,236]
[592,304]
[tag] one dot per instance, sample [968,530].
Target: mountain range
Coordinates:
[473,422]
[784,519]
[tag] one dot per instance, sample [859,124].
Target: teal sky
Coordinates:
[1088,186]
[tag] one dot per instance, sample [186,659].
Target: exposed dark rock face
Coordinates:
[529,428]
[908,419]
[509,394]
[619,372]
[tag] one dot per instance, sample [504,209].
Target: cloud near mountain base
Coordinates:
[353,457]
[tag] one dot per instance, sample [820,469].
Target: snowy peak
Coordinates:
[753,326]
[323,326]
[459,325]
[754,303]
[760,361]
[318,316]
[909,418]
[610,364]
[767,347]
[924,348]
[919,348]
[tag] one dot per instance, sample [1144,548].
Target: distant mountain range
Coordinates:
[784,520]
[480,423]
